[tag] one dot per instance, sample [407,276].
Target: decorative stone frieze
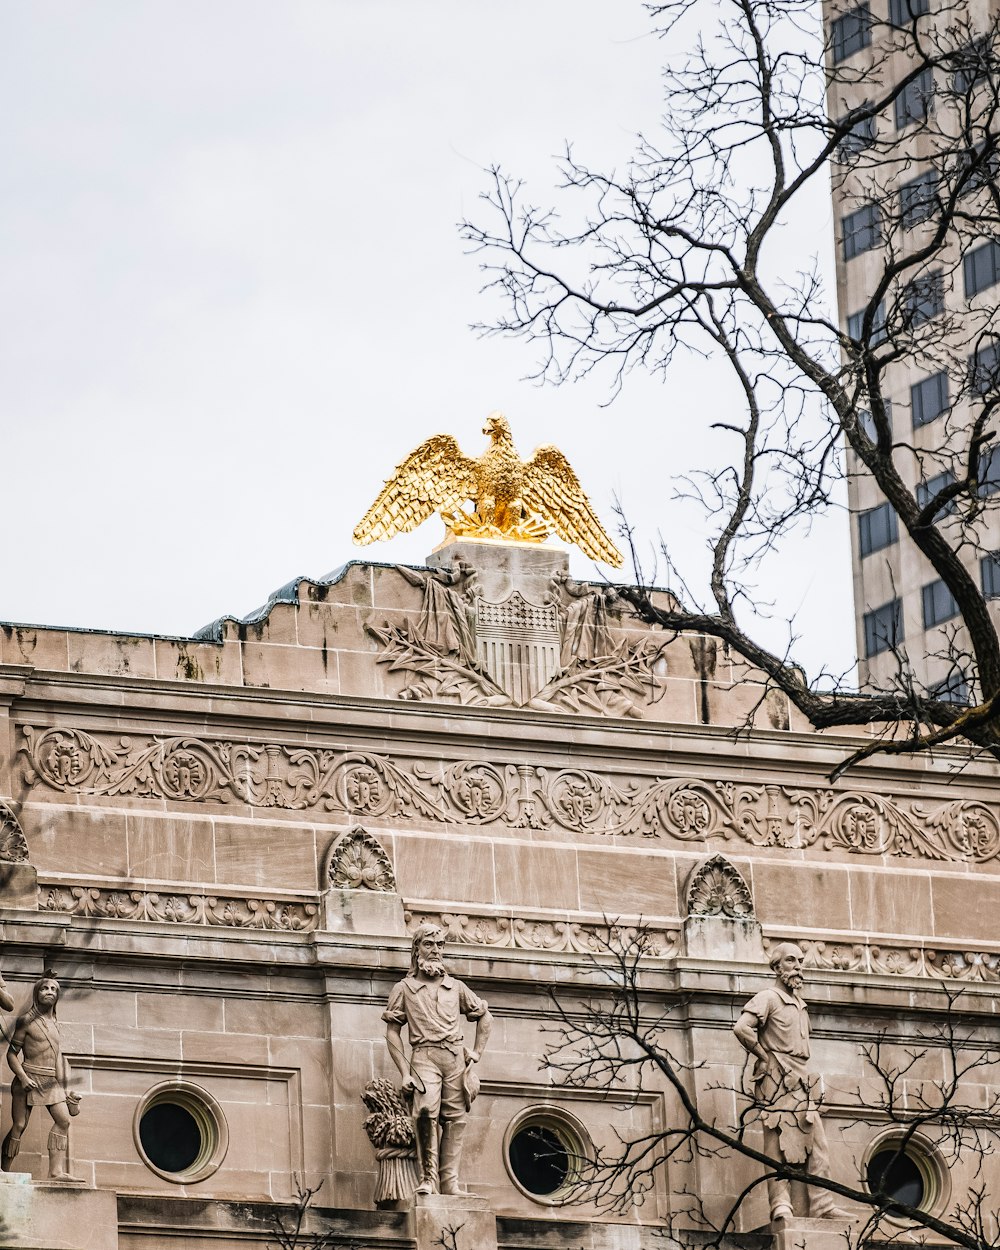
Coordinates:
[466,792]
[229,911]
[543,935]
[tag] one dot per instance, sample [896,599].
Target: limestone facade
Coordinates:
[220,844]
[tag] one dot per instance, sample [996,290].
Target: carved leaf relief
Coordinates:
[717,889]
[13,846]
[358,862]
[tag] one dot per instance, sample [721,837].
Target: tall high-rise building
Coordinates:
[918,263]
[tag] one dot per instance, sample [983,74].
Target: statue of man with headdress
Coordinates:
[41,1077]
[774,1028]
[440,1075]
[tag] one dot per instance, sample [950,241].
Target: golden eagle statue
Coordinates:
[517,500]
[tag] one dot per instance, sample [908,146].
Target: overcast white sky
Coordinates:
[234,296]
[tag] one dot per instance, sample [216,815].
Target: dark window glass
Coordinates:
[989,471]
[981,267]
[860,136]
[984,369]
[867,421]
[953,689]
[896,1176]
[928,399]
[926,491]
[883,627]
[902,12]
[862,230]
[851,33]
[916,100]
[923,298]
[855,323]
[973,66]
[939,604]
[918,199]
[170,1136]
[539,1159]
[989,568]
[877,528]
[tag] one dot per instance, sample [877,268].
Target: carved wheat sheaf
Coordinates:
[526,796]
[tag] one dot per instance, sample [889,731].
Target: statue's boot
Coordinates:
[823,1207]
[11,1145]
[427,1145]
[58,1145]
[452,1132]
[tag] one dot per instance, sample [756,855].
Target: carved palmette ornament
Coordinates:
[717,889]
[13,846]
[358,862]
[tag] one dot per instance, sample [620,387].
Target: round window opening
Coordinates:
[181,1132]
[909,1174]
[544,1151]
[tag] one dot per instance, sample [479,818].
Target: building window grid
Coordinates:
[923,298]
[861,136]
[989,472]
[952,689]
[926,491]
[981,267]
[883,628]
[902,12]
[855,322]
[916,100]
[974,63]
[861,230]
[851,32]
[989,573]
[877,528]
[929,399]
[918,199]
[984,368]
[938,604]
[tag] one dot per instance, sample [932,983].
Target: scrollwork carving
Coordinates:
[544,934]
[366,785]
[359,862]
[717,889]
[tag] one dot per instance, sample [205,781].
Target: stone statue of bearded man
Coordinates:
[439,1076]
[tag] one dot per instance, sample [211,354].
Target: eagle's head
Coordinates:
[497,428]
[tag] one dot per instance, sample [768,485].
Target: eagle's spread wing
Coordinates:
[551,488]
[434,476]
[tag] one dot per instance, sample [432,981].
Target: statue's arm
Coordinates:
[14,1058]
[394,1041]
[484,1027]
[6,999]
[745,1030]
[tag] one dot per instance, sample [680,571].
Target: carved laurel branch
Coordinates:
[200,909]
[613,685]
[364,784]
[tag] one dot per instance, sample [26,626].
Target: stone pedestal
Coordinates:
[18,886]
[724,939]
[801,1234]
[374,912]
[473,1224]
[53,1216]
[504,567]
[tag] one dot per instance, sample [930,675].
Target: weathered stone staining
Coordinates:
[439,1078]
[41,1079]
[774,1028]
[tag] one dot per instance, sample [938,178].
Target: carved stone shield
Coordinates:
[518,644]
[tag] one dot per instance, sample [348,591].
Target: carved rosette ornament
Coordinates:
[13,846]
[358,862]
[717,889]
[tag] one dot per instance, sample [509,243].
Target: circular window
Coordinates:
[180,1132]
[906,1171]
[544,1151]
